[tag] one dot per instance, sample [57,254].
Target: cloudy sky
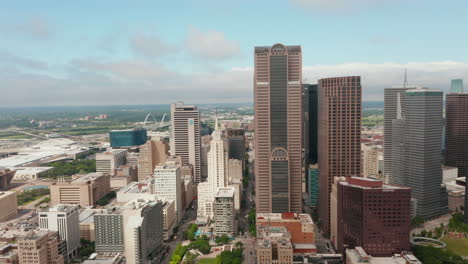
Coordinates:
[91,52]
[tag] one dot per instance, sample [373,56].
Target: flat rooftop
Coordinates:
[227,192]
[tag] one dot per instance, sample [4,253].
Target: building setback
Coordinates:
[339,135]
[185,136]
[372,215]
[416,150]
[278,128]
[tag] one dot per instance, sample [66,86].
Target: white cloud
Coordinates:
[211,45]
[151,46]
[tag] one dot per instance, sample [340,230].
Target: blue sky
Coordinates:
[128,52]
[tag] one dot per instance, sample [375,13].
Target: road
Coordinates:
[187,220]
[247,239]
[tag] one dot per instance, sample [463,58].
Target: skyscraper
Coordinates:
[456,134]
[310,102]
[185,136]
[152,153]
[417,141]
[278,128]
[456,86]
[168,179]
[339,135]
[390,113]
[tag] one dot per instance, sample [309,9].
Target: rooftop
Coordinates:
[87,177]
[62,208]
[225,192]
[358,255]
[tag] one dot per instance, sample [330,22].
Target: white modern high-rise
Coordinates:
[143,229]
[185,136]
[64,219]
[168,180]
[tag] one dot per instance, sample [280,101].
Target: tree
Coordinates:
[417,221]
[239,244]
[224,239]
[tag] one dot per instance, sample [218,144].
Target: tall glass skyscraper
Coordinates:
[457,86]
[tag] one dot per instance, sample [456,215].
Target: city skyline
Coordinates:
[45,49]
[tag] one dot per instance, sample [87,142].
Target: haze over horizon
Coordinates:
[157,53]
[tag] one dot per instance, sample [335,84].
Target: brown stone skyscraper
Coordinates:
[339,133]
[278,128]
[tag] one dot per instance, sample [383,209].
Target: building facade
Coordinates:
[185,136]
[109,230]
[224,213]
[417,150]
[9,205]
[339,135]
[107,162]
[372,215]
[152,153]
[83,190]
[65,220]
[278,128]
[39,248]
[6,175]
[127,137]
[168,180]
[370,161]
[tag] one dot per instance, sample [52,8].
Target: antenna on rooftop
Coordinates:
[405,82]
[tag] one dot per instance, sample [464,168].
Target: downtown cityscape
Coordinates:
[152,152]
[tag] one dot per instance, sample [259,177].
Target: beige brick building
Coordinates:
[8,205]
[152,153]
[274,246]
[84,190]
[39,248]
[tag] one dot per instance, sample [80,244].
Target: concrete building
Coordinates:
[371,161]
[449,174]
[205,148]
[371,215]
[39,248]
[6,175]
[278,128]
[9,205]
[109,230]
[134,190]
[87,229]
[83,190]
[65,220]
[8,254]
[106,258]
[152,153]
[456,201]
[394,101]
[123,176]
[339,135]
[107,162]
[360,256]
[169,218]
[299,226]
[143,232]
[127,137]
[167,183]
[185,136]
[235,171]
[224,213]
[190,191]
[274,245]
[417,147]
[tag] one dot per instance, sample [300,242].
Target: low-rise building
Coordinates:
[83,190]
[8,205]
[107,162]
[6,175]
[107,258]
[456,201]
[359,256]
[40,247]
[300,227]
[274,245]
[8,254]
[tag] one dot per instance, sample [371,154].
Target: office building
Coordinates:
[310,119]
[235,171]
[168,180]
[169,218]
[205,148]
[370,160]
[224,213]
[39,248]
[339,136]
[456,86]
[87,228]
[394,101]
[152,153]
[185,136]
[371,215]
[107,162]
[143,232]
[236,141]
[83,190]
[360,256]
[127,137]
[109,230]
[6,175]
[9,205]
[65,220]
[278,129]
[416,150]
[299,226]
[274,246]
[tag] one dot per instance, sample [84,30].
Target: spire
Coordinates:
[399,114]
[216,124]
